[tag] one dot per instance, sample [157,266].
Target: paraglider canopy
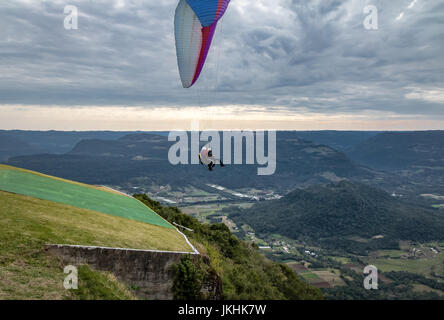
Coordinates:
[194,26]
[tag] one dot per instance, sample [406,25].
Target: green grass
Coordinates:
[95,285]
[343,260]
[27,224]
[309,276]
[57,190]
[23,218]
[390,253]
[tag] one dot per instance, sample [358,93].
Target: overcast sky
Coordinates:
[286,64]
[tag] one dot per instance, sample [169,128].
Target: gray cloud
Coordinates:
[302,55]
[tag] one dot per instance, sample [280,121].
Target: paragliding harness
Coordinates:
[211,159]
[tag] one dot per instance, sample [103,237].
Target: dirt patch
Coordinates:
[384,279]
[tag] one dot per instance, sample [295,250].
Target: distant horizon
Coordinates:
[289,130]
[232,117]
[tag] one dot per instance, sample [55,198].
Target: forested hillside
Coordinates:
[333,214]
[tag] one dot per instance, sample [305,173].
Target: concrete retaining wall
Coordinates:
[149,272]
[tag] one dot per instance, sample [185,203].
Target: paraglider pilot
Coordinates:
[207,158]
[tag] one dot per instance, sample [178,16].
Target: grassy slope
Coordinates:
[62,191]
[27,224]
[6,167]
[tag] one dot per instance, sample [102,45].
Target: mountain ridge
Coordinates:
[330,214]
[299,162]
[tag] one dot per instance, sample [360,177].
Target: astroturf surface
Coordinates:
[52,189]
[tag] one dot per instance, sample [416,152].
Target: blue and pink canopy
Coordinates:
[195,23]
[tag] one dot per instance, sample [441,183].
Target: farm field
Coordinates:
[202,211]
[334,274]
[420,266]
[320,278]
[414,258]
[343,260]
[331,276]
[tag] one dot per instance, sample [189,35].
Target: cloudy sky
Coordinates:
[283,64]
